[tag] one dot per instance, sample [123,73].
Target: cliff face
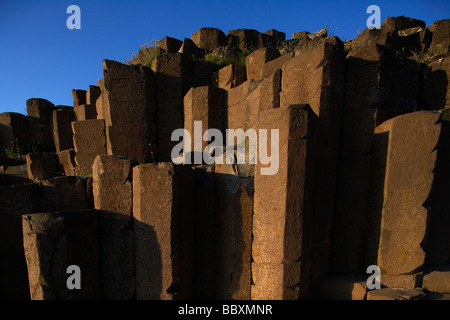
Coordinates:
[349,170]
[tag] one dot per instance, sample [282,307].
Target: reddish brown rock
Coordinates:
[437,279]
[256,60]
[230,76]
[280,37]
[169,44]
[15,201]
[92,94]
[270,67]
[129,111]
[162,211]
[342,288]
[190,49]
[282,222]
[270,91]
[402,281]
[85,112]
[40,117]
[62,129]
[272,281]
[440,35]
[209,38]
[42,165]
[233,234]
[79,97]
[67,162]
[54,241]
[14,129]
[64,194]
[89,141]
[112,190]
[436,87]
[396,294]
[249,39]
[401,195]
[239,113]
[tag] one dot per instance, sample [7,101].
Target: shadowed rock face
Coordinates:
[362,175]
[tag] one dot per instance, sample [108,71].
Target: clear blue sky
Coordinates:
[41,58]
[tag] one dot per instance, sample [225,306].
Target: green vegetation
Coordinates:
[226,59]
[83,173]
[11,156]
[146,54]
[427,56]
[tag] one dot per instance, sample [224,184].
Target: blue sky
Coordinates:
[41,58]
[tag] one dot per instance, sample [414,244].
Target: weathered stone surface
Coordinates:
[300,35]
[190,49]
[205,104]
[403,217]
[270,91]
[42,165]
[14,129]
[436,86]
[170,45]
[209,38]
[233,234]
[40,117]
[272,281]
[54,241]
[202,72]
[89,140]
[256,60]
[239,113]
[308,79]
[270,67]
[387,32]
[67,162]
[282,221]
[129,111]
[15,201]
[162,209]
[396,294]
[63,194]
[62,129]
[280,37]
[16,175]
[438,245]
[342,288]
[79,97]
[112,189]
[402,281]
[440,34]
[437,279]
[92,94]
[173,78]
[230,76]
[85,112]
[249,39]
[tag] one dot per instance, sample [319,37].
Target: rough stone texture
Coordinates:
[396,294]
[54,241]
[205,104]
[63,194]
[14,129]
[437,279]
[399,198]
[62,129]
[190,49]
[173,78]
[317,78]
[79,97]
[129,111]
[282,221]
[230,76]
[202,72]
[255,61]
[85,112]
[15,201]
[274,281]
[16,174]
[112,189]
[233,234]
[272,66]
[209,38]
[92,94]
[249,39]
[87,147]
[402,281]
[170,45]
[440,34]
[67,162]
[42,165]
[40,117]
[436,84]
[438,245]
[342,288]
[270,91]
[280,37]
[162,209]
[300,35]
